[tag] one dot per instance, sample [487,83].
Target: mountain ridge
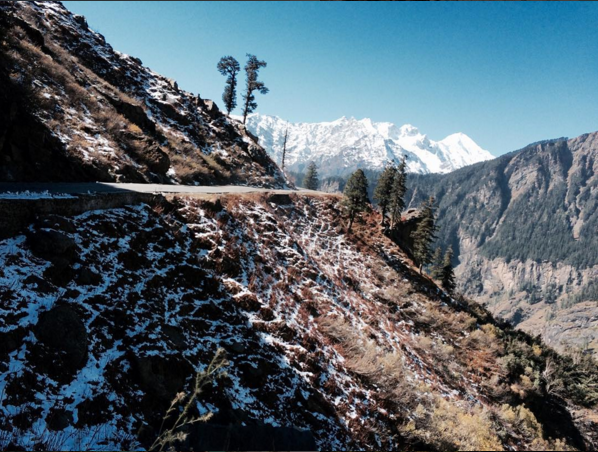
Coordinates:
[338,147]
[524,230]
[73,108]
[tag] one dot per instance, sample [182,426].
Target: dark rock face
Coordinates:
[160,378]
[280,199]
[134,113]
[87,277]
[254,437]
[59,419]
[57,248]
[212,109]
[402,234]
[29,151]
[52,245]
[63,337]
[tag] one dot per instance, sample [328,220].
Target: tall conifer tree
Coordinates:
[311,181]
[424,234]
[229,67]
[252,69]
[383,191]
[448,274]
[399,188]
[356,195]
[437,264]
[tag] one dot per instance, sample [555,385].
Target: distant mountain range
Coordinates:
[339,147]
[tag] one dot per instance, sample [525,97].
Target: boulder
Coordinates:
[280,199]
[57,222]
[52,245]
[88,277]
[63,336]
[59,419]
[175,336]
[134,113]
[161,377]
[154,157]
[210,107]
[60,273]
[80,20]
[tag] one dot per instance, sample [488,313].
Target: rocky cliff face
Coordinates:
[525,228]
[74,109]
[108,314]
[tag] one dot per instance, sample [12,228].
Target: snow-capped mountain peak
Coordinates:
[409,130]
[341,146]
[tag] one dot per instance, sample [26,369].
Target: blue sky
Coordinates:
[504,73]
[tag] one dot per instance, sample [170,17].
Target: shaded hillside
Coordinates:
[525,228]
[108,314]
[74,109]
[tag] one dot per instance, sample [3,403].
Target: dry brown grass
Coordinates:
[134,128]
[447,426]
[213,163]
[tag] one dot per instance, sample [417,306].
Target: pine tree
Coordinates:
[437,264]
[448,275]
[229,67]
[383,192]
[253,84]
[356,195]
[397,198]
[424,234]
[311,181]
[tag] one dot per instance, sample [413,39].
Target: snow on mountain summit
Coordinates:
[339,147]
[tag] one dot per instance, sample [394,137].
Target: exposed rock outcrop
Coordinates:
[74,109]
[524,228]
[61,332]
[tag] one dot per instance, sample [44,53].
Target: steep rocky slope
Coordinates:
[74,109]
[106,315]
[525,228]
[340,147]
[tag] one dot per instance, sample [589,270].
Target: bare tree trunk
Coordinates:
[351,221]
[284,147]
[246,107]
[383,217]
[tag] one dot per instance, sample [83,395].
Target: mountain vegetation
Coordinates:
[252,68]
[448,274]
[311,180]
[74,109]
[397,196]
[523,228]
[384,190]
[425,234]
[229,67]
[107,326]
[355,196]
